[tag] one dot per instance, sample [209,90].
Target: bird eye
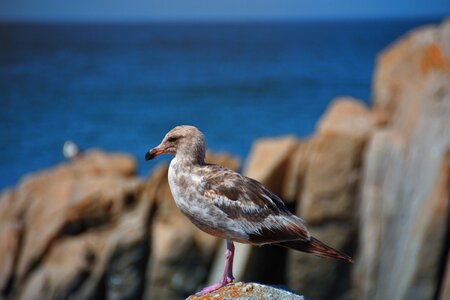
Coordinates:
[172,139]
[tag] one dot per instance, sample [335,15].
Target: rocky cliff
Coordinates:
[404,211]
[371,181]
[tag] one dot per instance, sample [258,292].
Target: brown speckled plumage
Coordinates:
[227,204]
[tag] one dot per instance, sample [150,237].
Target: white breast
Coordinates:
[174,188]
[199,210]
[181,194]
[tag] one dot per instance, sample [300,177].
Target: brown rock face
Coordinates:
[405,65]
[269,160]
[84,230]
[248,291]
[444,292]
[405,208]
[60,227]
[329,195]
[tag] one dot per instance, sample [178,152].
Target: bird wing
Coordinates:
[259,212]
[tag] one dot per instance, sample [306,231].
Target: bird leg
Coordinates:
[229,256]
[227,273]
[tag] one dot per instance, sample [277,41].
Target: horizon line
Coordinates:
[226,19]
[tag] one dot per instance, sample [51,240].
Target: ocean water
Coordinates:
[121,87]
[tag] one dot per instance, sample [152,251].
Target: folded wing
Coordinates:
[259,212]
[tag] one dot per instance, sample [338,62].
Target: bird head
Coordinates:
[185,141]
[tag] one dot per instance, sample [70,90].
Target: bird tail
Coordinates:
[316,247]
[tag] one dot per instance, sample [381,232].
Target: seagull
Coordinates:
[228,205]
[70,150]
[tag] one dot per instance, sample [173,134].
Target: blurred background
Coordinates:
[117,75]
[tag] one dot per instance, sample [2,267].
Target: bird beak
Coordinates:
[152,153]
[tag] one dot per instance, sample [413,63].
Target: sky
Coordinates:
[133,10]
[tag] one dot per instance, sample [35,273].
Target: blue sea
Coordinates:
[121,87]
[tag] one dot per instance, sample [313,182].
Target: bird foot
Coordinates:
[215,287]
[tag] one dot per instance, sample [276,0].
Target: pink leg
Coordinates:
[227,273]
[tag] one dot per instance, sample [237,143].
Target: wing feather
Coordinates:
[259,212]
